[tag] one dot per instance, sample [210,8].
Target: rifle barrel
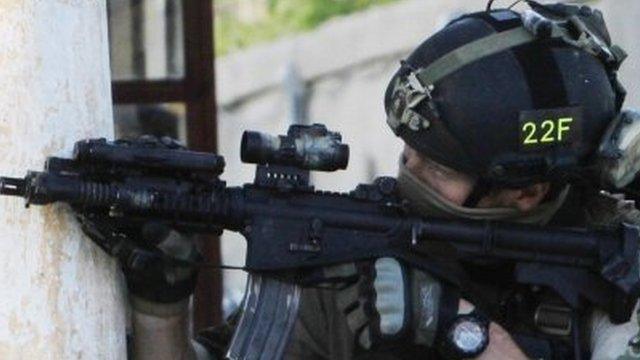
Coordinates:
[12,186]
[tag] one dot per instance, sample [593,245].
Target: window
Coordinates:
[162,64]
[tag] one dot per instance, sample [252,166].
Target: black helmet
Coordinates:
[510,98]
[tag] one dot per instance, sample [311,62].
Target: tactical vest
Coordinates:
[537,319]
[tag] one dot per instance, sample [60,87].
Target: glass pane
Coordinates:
[167,119]
[146,39]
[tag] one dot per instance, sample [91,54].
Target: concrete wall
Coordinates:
[61,297]
[345,66]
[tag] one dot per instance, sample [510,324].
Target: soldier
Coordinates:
[501,114]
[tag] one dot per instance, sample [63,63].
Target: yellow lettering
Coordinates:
[548,126]
[563,126]
[530,127]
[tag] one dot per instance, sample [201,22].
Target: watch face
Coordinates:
[469,336]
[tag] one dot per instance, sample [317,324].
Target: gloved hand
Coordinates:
[156,260]
[393,304]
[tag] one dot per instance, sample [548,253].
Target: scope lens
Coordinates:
[342,157]
[253,148]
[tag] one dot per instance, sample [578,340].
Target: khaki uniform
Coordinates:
[321,330]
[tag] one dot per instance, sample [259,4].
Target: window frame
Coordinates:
[197,91]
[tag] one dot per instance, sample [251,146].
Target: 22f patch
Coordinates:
[550,128]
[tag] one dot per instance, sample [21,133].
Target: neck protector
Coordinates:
[427,202]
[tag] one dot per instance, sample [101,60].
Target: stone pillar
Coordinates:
[60,296]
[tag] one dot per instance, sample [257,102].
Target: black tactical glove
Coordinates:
[392,304]
[156,260]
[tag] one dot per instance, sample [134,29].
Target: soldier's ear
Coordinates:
[528,198]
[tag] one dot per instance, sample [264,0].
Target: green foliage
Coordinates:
[283,17]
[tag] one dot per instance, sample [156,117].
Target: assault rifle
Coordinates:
[290,227]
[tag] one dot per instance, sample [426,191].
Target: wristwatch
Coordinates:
[467,336]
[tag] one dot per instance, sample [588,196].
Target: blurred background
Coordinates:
[282,62]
